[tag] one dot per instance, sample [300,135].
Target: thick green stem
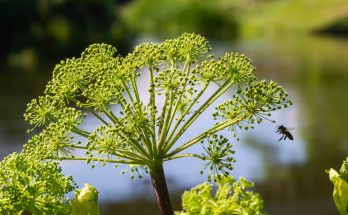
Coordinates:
[135,89]
[74,129]
[223,88]
[127,90]
[80,132]
[99,117]
[164,109]
[188,155]
[165,127]
[115,120]
[181,93]
[160,188]
[212,130]
[145,136]
[182,117]
[153,108]
[104,160]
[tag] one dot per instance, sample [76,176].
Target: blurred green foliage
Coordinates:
[168,18]
[277,17]
[50,28]
[59,27]
[338,27]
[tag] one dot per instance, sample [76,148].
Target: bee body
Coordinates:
[281,129]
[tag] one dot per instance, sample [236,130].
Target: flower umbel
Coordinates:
[30,184]
[144,103]
[231,198]
[217,156]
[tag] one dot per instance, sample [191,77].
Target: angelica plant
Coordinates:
[28,184]
[143,132]
[231,197]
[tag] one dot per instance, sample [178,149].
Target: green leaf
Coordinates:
[340,193]
[344,170]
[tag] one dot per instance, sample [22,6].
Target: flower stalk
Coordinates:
[160,189]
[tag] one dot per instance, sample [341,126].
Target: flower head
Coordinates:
[218,156]
[30,184]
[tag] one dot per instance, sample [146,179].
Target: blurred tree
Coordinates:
[168,18]
[60,27]
[339,27]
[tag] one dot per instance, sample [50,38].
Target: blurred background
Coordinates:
[301,44]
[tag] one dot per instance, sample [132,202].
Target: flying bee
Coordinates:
[281,129]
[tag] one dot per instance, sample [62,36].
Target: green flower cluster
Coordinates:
[231,197]
[144,131]
[218,156]
[252,105]
[28,184]
[236,67]
[53,142]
